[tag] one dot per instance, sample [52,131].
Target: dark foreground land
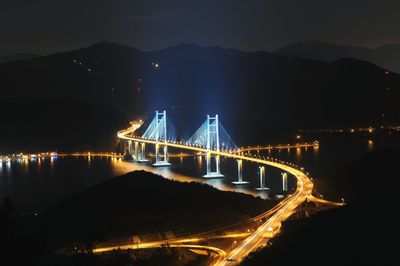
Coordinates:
[361,233]
[135,204]
[150,257]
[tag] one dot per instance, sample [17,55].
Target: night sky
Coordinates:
[48,26]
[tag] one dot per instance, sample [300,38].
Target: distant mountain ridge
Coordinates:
[387,56]
[190,81]
[17,57]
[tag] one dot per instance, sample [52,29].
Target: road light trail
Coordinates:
[219,252]
[324,201]
[304,188]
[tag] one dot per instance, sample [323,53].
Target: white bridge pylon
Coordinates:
[160,134]
[210,138]
[212,129]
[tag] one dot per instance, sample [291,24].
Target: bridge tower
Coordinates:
[284,181]
[239,169]
[161,137]
[212,128]
[262,178]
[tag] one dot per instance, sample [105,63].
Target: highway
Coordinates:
[266,230]
[279,147]
[275,216]
[92,154]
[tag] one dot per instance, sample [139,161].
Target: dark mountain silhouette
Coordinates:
[17,57]
[58,124]
[361,179]
[191,81]
[387,56]
[324,51]
[137,203]
[361,233]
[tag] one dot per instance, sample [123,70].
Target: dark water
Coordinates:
[35,185]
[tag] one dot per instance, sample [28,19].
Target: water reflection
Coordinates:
[316,150]
[50,180]
[121,167]
[200,161]
[370,145]
[298,154]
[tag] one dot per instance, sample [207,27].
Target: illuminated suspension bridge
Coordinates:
[214,141]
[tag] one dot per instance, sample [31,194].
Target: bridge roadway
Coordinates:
[279,147]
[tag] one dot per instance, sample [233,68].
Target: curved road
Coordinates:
[219,252]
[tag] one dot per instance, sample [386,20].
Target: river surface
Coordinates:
[37,184]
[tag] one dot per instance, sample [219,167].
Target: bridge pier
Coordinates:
[262,179]
[130,147]
[159,161]
[127,150]
[284,181]
[124,147]
[210,173]
[240,178]
[136,149]
[141,157]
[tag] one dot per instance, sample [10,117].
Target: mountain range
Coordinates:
[17,57]
[387,56]
[189,81]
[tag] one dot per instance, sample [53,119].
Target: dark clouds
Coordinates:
[46,26]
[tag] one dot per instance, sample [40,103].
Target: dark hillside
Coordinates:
[191,81]
[361,233]
[59,124]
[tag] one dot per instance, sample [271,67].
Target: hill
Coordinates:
[17,57]
[361,233]
[58,124]
[363,179]
[190,81]
[138,203]
[387,56]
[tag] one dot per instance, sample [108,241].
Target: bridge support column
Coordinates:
[127,150]
[130,147]
[136,150]
[142,156]
[208,162]
[262,178]
[240,178]
[125,147]
[165,153]
[217,172]
[164,161]
[284,182]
